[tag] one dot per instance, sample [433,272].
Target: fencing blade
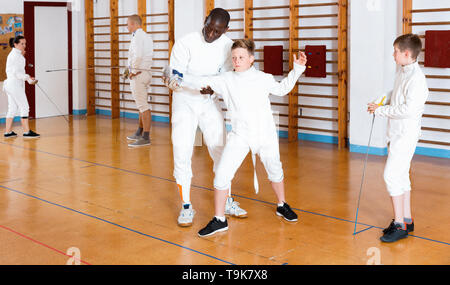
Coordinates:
[110,67]
[48,97]
[363,175]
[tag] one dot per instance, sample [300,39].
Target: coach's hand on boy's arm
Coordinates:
[301,60]
[207,90]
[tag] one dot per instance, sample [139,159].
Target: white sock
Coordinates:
[280,205]
[222,219]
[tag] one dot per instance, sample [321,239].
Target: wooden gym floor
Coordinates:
[80,186]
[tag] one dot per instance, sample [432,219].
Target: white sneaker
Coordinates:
[186,216]
[232,208]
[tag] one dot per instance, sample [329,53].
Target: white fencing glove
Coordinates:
[172,78]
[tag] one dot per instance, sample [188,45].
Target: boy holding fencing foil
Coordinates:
[404,109]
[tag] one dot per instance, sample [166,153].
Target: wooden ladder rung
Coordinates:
[434,142]
[317,129]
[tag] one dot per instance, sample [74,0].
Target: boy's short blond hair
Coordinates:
[135,18]
[409,42]
[249,45]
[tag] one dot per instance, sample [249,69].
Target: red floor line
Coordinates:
[40,243]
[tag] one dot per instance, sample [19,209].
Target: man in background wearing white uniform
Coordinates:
[140,56]
[199,53]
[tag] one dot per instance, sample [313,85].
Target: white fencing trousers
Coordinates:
[139,86]
[396,171]
[17,105]
[187,115]
[235,151]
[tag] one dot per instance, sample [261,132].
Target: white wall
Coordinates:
[189,16]
[373,26]
[78,55]
[8,7]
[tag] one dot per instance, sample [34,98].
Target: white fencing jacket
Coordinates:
[15,73]
[405,103]
[246,95]
[140,51]
[193,55]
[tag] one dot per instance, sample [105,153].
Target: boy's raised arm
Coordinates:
[287,84]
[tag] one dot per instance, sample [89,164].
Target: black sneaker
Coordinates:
[390,227]
[286,212]
[394,234]
[409,227]
[31,135]
[11,134]
[214,226]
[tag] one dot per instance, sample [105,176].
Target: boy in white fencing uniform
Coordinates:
[14,87]
[140,57]
[404,112]
[205,53]
[245,92]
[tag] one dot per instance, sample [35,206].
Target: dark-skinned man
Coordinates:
[201,53]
